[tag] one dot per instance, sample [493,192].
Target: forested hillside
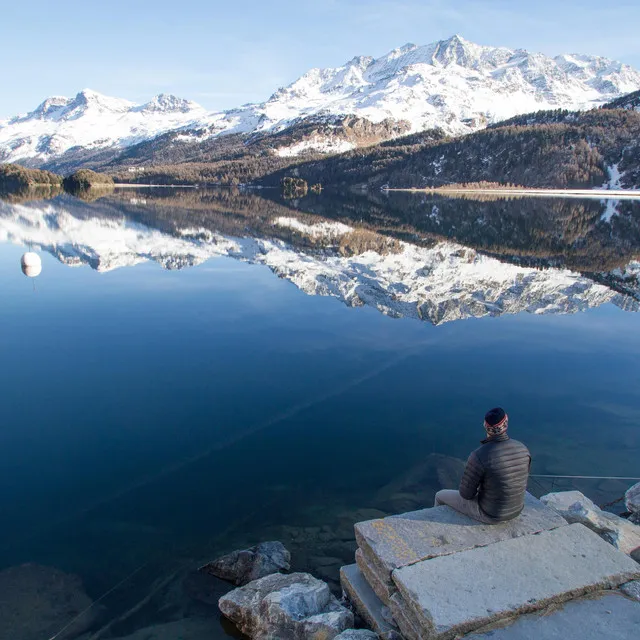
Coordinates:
[546,149]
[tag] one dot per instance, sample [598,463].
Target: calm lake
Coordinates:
[193,372]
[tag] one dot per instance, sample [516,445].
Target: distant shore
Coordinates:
[619,194]
[133,185]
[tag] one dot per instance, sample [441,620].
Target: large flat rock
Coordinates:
[365,601]
[383,588]
[608,615]
[399,541]
[404,618]
[462,592]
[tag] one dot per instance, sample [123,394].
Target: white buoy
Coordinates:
[31,264]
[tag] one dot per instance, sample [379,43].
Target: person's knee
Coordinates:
[444,496]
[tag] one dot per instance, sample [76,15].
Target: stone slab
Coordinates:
[364,600]
[399,541]
[406,621]
[608,615]
[464,591]
[384,589]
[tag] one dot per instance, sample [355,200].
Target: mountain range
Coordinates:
[453,85]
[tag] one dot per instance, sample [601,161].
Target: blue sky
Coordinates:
[222,54]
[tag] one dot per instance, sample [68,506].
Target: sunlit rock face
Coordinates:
[437,284]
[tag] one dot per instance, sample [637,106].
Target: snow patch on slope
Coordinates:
[326,145]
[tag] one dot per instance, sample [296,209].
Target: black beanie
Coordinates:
[495,416]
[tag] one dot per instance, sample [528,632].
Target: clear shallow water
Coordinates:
[154,418]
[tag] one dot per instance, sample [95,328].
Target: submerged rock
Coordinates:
[246,565]
[574,506]
[296,606]
[38,602]
[632,502]
[357,634]
[184,629]
[416,487]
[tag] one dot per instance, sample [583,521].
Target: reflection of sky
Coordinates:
[125,379]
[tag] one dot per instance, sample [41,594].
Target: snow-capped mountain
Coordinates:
[453,84]
[91,121]
[438,284]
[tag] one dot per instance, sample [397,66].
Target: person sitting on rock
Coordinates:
[495,479]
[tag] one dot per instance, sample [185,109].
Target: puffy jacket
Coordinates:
[497,472]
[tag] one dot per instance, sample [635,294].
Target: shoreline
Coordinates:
[130,185]
[600,194]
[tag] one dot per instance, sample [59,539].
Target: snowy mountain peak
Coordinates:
[456,50]
[49,108]
[89,99]
[167,103]
[91,120]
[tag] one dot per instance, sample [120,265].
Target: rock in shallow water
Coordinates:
[37,602]
[357,634]
[242,567]
[632,589]
[296,606]
[632,502]
[574,506]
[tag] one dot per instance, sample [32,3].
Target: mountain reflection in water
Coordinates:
[431,258]
[156,418]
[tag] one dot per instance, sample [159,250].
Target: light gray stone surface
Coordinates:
[461,592]
[384,589]
[363,599]
[357,634]
[632,498]
[399,541]
[295,606]
[606,617]
[404,618]
[631,589]
[241,567]
[574,506]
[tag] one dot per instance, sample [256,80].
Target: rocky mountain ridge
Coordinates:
[453,85]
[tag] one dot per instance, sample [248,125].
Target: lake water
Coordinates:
[195,372]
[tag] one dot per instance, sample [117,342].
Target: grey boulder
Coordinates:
[357,634]
[632,502]
[242,567]
[632,589]
[574,506]
[295,606]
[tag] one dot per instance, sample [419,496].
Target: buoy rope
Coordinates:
[95,602]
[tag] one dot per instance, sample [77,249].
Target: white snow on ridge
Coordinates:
[453,84]
[439,284]
[323,146]
[91,121]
